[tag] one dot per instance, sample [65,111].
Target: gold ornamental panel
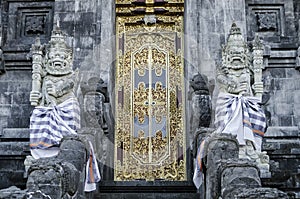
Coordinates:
[150,108]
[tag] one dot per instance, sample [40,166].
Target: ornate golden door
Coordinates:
[150,102]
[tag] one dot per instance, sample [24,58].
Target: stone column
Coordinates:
[217,147]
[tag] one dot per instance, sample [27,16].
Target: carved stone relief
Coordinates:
[94,114]
[22,22]
[35,25]
[266,20]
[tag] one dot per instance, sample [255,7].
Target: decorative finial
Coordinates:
[257,43]
[37,40]
[57,23]
[234,29]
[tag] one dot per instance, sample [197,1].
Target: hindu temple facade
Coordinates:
[147,76]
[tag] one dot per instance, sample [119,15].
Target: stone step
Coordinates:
[146,195]
[146,190]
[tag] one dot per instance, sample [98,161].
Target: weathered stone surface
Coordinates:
[217,147]
[73,150]
[261,193]
[201,103]
[12,192]
[14,146]
[237,174]
[60,176]
[282,131]
[147,195]
[46,179]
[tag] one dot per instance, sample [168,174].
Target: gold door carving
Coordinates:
[150,104]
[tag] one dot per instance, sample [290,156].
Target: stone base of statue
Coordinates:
[60,176]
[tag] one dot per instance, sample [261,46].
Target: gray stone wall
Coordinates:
[90,26]
[277,23]
[14,122]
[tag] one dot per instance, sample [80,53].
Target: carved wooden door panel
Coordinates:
[149,105]
[150,125]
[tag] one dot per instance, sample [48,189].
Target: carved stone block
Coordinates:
[60,176]
[217,147]
[236,174]
[27,20]
[22,22]
[261,193]
[266,20]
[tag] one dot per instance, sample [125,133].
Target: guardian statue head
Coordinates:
[59,58]
[235,55]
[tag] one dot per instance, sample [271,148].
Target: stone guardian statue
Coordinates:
[238,109]
[56,112]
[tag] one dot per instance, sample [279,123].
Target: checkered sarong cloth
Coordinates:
[253,115]
[48,125]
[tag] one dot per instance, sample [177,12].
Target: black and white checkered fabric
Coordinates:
[253,115]
[48,125]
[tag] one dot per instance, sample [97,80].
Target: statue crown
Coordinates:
[58,40]
[235,30]
[235,37]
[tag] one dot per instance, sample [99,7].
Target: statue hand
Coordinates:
[258,87]
[51,90]
[35,97]
[243,88]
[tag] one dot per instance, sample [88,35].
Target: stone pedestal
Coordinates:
[217,147]
[236,174]
[61,176]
